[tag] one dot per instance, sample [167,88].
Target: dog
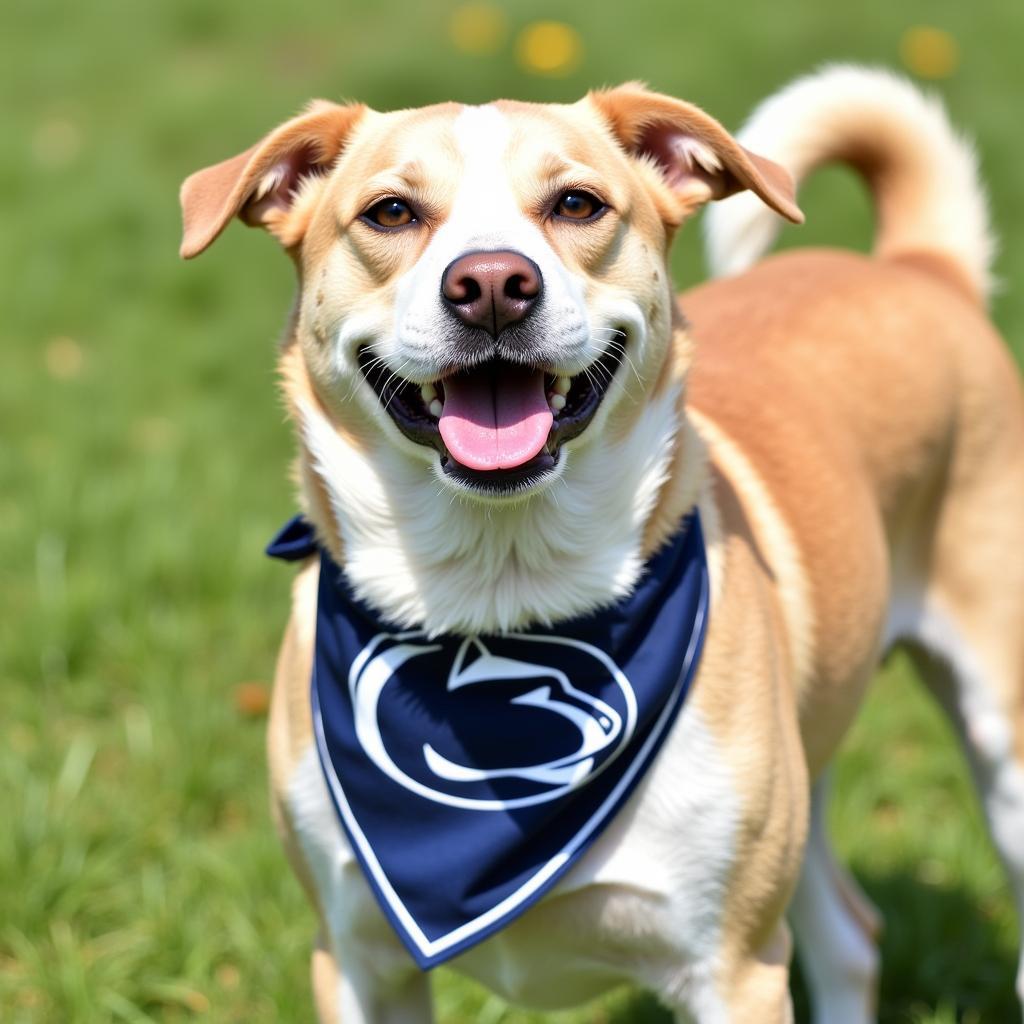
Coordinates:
[846,433]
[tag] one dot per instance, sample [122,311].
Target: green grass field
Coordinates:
[143,464]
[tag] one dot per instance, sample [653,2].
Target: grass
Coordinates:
[143,464]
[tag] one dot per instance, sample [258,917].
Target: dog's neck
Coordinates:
[428,559]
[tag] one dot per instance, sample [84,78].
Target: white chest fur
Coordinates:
[447,565]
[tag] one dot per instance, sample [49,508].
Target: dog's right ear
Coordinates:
[261,184]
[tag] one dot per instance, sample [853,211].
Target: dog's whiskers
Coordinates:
[395,373]
[618,344]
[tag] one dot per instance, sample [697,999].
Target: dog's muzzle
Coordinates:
[500,414]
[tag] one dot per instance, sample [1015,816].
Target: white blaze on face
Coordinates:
[485,214]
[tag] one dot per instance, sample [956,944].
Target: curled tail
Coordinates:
[922,175]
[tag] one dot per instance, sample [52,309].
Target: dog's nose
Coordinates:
[492,290]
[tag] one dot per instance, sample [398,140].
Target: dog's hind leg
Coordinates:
[958,581]
[835,927]
[976,671]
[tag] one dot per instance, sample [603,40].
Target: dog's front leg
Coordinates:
[744,976]
[358,994]
[361,972]
[736,988]
[340,1002]
[757,984]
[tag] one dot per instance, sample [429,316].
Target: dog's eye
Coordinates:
[390,213]
[578,205]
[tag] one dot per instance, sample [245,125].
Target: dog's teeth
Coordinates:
[429,393]
[562,385]
[557,402]
[436,408]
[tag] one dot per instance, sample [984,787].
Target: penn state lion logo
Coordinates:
[489,724]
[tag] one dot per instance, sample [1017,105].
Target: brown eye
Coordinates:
[578,205]
[390,213]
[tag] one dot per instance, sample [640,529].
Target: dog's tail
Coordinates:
[923,176]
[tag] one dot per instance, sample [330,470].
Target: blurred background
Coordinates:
[144,460]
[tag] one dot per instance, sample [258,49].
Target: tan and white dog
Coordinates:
[851,429]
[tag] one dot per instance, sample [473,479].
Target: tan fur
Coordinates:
[751,704]
[324,976]
[290,733]
[848,426]
[856,448]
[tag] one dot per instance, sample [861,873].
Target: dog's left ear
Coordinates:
[698,159]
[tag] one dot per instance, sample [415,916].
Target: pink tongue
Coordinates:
[495,421]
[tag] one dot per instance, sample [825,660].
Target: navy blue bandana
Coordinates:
[470,773]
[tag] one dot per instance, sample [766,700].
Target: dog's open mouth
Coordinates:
[498,426]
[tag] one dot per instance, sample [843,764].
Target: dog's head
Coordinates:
[484,312]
